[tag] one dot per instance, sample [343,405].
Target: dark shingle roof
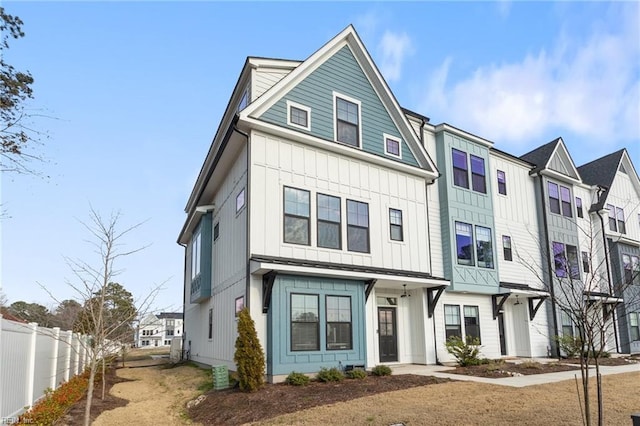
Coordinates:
[170,315]
[601,172]
[541,155]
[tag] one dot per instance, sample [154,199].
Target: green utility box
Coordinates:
[220,377]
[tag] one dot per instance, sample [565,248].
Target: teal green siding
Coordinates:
[201,285]
[280,359]
[341,73]
[468,206]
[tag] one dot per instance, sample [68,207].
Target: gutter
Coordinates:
[247,292]
[554,314]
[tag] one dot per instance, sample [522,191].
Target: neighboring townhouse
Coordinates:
[159,330]
[311,210]
[616,214]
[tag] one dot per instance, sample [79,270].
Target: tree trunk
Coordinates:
[584,371]
[92,376]
[104,375]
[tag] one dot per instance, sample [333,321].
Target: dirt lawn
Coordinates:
[156,395]
[468,403]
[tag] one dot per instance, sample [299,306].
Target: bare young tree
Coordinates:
[108,310]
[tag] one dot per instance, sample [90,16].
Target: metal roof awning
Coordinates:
[535,297]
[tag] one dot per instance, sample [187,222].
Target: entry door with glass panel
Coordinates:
[388,340]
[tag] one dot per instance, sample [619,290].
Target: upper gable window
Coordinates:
[244,101]
[298,115]
[392,146]
[477,174]
[347,116]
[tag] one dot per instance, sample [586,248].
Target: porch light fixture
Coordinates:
[517,301]
[405,294]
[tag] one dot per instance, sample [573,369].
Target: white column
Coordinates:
[32,364]
[54,357]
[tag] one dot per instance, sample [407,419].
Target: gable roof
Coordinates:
[170,315]
[348,37]
[554,157]
[602,172]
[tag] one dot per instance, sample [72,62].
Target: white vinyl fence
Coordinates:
[33,359]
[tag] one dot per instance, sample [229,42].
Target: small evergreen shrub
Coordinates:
[330,375]
[571,346]
[249,357]
[297,379]
[531,365]
[356,373]
[466,352]
[381,370]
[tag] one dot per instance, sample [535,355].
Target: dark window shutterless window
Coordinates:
[478,180]
[464,244]
[502,183]
[579,211]
[559,260]
[484,247]
[452,325]
[299,116]
[339,333]
[567,324]
[357,226]
[460,168]
[633,326]
[620,219]
[347,122]
[392,147]
[586,264]
[506,248]
[305,325]
[296,216]
[554,198]
[210,323]
[472,322]
[329,235]
[612,218]
[565,196]
[395,224]
[572,262]
[216,231]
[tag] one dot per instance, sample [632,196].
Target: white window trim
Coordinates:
[393,138]
[302,107]
[335,118]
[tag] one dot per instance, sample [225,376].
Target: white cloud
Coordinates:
[589,87]
[504,7]
[393,49]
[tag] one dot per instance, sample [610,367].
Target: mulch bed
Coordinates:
[75,415]
[232,407]
[604,361]
[508,369]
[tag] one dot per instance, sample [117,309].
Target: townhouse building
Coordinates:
[158,330]
[358,233]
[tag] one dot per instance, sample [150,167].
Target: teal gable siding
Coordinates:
[468,206]
[201,285]
[341,73]
[280,359]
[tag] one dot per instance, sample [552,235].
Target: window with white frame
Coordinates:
[502,182]
[357,226]
[565,259]
[616,219]
[472,322]
[506,248]
[567,324]
[395,224]
[452,324]
[347,116]
[554,197]
[464,244]
[392,146]
[484,247]
[196,248]
[478,180]
[634,329]
[305,325]
[460,168]
[565,200]
[579,211]
[296,216]
[298,115]
[329,222]
[631,267]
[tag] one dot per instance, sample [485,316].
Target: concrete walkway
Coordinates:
[518,382]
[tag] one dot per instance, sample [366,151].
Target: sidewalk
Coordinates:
[518,382]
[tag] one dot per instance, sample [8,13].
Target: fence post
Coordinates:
[54,358]
[67,361]
[32,363]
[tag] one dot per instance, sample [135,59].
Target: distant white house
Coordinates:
[158,330]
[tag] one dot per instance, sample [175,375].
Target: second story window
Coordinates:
[296,216]
[484,247]
[565,197]
[506,248]
[554,197]
[395,224]
[502,183]
[329,222]
[357,226]
[579,211]
[565,258]
[616,219]
[478,180]
[464,244]
[347,122]
[460,175]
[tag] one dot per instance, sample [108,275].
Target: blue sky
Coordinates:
[135,92]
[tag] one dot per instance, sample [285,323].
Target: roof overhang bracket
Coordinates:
[267,287]
[432,300]
[368,288]
[497,302]
[534,309]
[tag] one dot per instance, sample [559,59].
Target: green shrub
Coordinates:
[465,352]
[249,357]
[297,379]
[531,365]
[330,375]
[495,365]
[571,346]
[381,370]
[357,373]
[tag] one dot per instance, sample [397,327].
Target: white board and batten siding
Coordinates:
[433,199]
[265,78]
[516,216]
[278,162]
[623,194]
[228,272]
[490,339]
